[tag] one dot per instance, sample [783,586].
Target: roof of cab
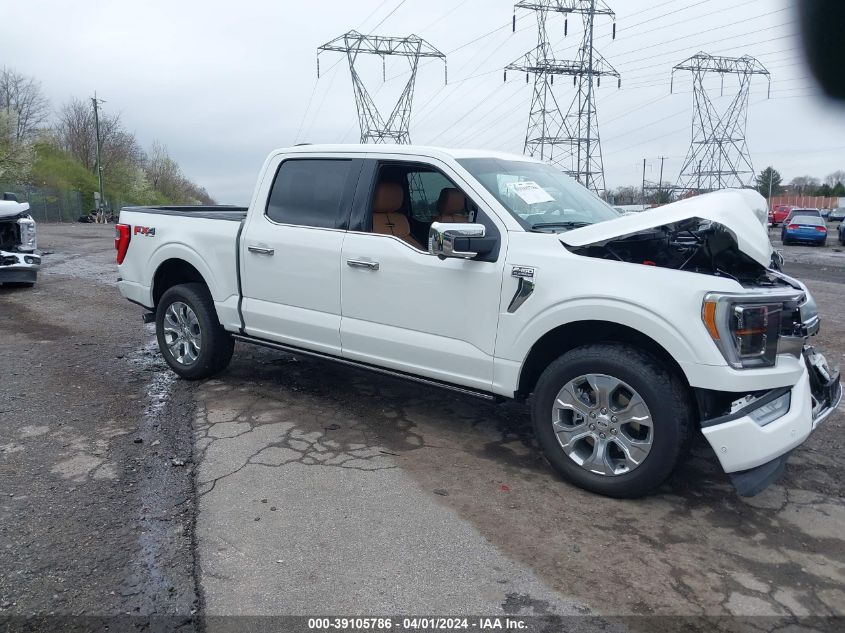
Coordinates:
[418,150]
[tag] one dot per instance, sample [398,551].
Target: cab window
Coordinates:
[309,192]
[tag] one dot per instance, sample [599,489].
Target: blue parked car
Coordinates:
[805,228]
[842,234]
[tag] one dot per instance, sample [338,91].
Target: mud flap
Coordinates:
[749,483]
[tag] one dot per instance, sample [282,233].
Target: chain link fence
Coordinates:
[55,205]
[50,205]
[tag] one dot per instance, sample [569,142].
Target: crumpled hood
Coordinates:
[10,209]
[743,212]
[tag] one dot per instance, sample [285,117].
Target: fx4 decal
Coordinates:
[522,272]
[144,230]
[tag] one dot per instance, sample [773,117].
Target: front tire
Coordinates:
[190,336]
[612,419]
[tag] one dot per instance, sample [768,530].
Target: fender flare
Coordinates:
[611,310]
[183,252]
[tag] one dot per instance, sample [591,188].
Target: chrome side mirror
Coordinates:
[453,239]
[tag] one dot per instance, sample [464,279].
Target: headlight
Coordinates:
[27,228]
[746,328]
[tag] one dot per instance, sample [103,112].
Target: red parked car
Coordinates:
[778,214]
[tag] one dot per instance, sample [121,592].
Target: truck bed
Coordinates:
[216,212]
[193,235]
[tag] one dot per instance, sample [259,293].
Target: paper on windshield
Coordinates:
[531,192]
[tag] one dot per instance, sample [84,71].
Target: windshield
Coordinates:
[539,196]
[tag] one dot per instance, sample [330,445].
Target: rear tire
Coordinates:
[626,448]
[190,337]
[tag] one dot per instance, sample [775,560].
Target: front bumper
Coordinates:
[741,444]
[19,267]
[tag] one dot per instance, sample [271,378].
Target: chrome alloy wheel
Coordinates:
[602,424]
[182,333]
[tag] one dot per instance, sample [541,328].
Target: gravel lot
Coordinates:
[311,489]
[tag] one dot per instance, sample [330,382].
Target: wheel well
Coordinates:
[566,337]
[171,273]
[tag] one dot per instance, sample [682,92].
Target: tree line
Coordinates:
[831,186]
[43,147]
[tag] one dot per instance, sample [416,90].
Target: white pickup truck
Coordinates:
[19,261]
[498,276]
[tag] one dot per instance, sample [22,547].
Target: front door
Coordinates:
[406,309]
[290,254]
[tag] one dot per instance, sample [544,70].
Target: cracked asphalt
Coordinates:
[312,489]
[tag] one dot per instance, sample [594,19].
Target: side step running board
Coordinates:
[379,370]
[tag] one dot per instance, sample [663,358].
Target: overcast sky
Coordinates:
[223,83]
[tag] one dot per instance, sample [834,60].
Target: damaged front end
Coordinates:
[19,262]
[723,233]
[693,244]
[764,325]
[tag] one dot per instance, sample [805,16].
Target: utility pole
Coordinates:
[718,147]
[643,196]
[660,182]
[571,141]
[101,201]
[374,128]
[771,175]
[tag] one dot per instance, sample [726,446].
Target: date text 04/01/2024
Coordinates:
[415,623]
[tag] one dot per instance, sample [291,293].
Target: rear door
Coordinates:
[408,310]
[290,252]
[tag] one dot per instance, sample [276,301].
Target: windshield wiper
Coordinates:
[559,225]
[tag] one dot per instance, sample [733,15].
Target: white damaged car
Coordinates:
[19,262]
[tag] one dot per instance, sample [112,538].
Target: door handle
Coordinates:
[261,250]
[361,263]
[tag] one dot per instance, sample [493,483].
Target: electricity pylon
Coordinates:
[374,128]
[718,157]
[571,141]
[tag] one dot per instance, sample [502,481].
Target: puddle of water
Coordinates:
[156,508]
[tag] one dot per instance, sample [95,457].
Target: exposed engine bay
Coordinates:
[10,234]
[693,244]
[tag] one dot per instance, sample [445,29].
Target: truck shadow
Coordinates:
[703,549]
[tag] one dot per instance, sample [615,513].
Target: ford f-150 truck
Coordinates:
[498,276]
[19,262]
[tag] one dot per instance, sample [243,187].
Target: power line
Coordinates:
[372,13]
[468,113]
[305,114]
[723,39]
[715,28]
[384,19]
[444,16]
[482,121]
